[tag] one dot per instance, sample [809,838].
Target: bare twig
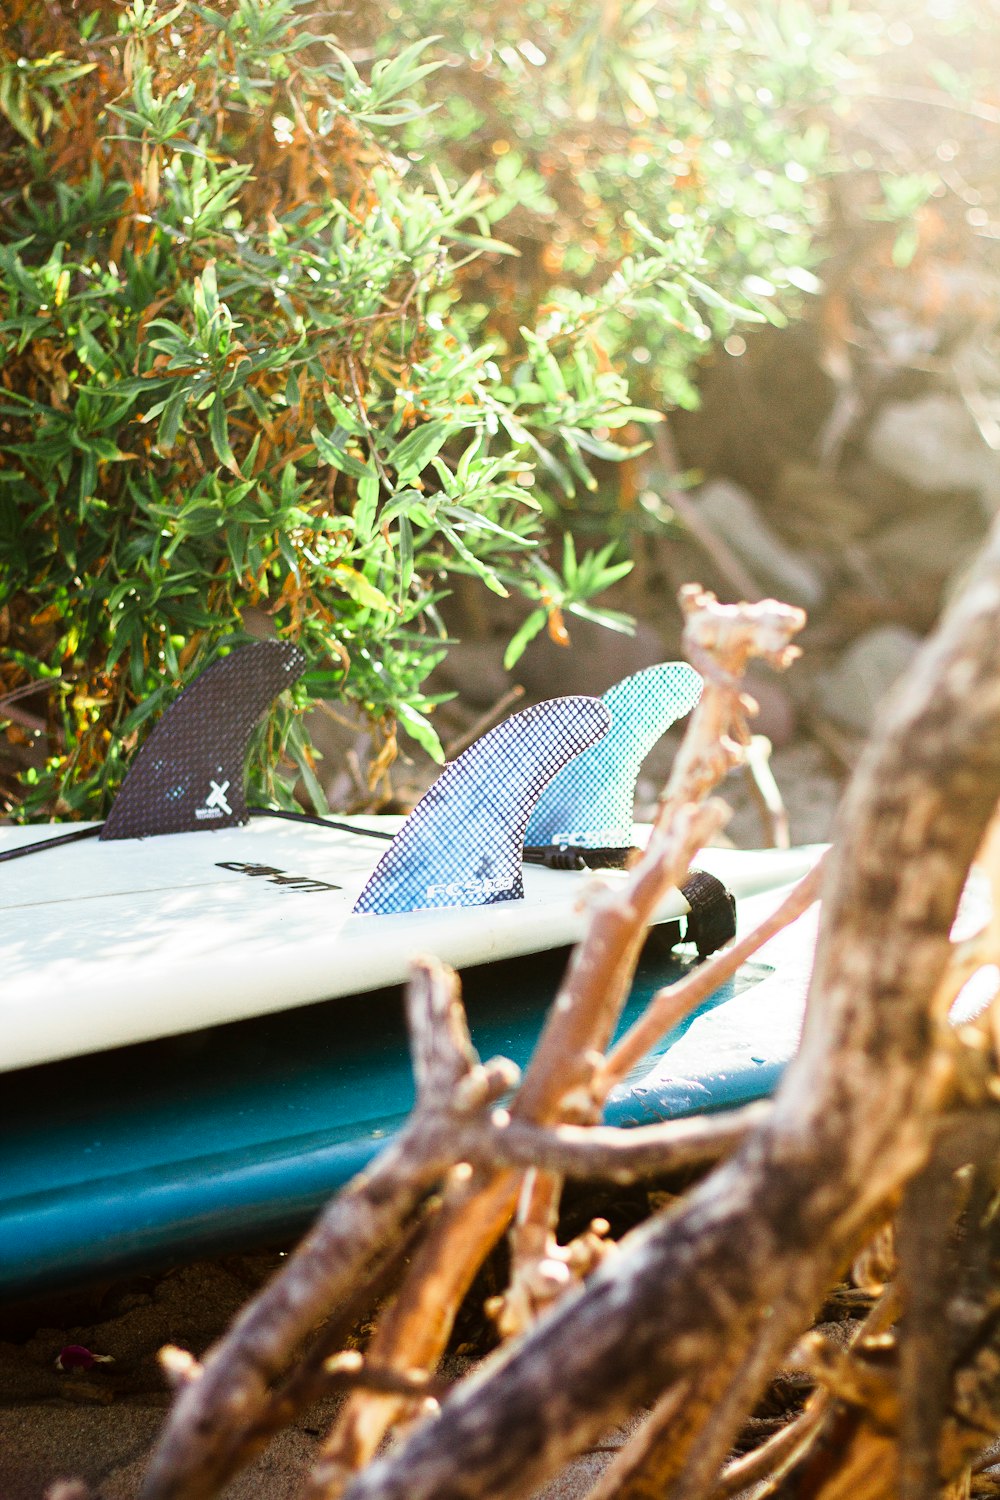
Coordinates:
[934,99]
[715,546]
[760,1470]
[563,1072]
[766,793]
[671,1004]
[309,1379]
[721,640]
[479,726]
[623,1155]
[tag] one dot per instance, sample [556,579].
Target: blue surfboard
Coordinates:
[236,1134]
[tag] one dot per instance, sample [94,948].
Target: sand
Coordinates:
[99,1425]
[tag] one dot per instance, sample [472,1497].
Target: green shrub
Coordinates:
[261,348]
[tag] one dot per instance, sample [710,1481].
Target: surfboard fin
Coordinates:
[461,844]
[189,773]
[588,805]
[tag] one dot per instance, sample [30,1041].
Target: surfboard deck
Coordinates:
[104,945]
[235,1134]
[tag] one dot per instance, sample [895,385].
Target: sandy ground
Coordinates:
[100,1425]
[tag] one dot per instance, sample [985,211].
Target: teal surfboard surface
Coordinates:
[237,1134]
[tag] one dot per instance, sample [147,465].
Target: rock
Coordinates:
[759,409]
[852,692]
[882,495]
[933,444]
[813,506]
[733,515]
[919,554]
[777,717]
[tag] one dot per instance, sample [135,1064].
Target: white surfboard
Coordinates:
[108,943]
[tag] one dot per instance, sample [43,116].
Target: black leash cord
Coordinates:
[711,923]
[576,857]
[63,838]
[304,817]
[258,812]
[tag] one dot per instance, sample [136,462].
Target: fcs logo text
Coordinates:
[488,887]
[595,838]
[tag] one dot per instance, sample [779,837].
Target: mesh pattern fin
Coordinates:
[461,844]
[189,773]
[589,803]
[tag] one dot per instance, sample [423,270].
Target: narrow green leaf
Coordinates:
[336,455]
[218,431]
[413,454]
[523,637]
[359,588]
[421,730]
[366,509]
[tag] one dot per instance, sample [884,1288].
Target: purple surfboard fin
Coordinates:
[189,773]
[461,844]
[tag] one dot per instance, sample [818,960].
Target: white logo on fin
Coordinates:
[216,805]
[491,886]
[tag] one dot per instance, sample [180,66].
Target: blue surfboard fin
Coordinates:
[588,805]
[461,844]
[189,773]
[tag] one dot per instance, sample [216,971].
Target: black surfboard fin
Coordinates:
[189,773]
[461,844]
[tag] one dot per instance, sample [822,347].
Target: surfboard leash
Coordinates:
[577,856]
[303,817]
[256,812]
[710,924]
[40,844]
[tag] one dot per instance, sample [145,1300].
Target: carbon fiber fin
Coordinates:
[461,844]
[588,805]
[189,773]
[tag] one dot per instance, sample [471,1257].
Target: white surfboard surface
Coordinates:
[108,943]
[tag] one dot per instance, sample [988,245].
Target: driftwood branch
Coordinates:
[708,1298]
[617,1155]
[222,1403]
[251,1382]
[760,1471]
[563,1075]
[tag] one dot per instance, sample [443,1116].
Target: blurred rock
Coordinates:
[882,494]
[777,717]
[920,553]
[933,444]
[733,515]
[258,623]
[813,508]
[759,409]
[853,691]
